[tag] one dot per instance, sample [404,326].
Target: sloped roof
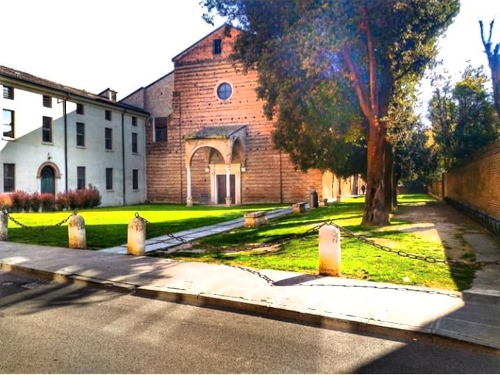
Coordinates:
[215,132]
[42,82]
[200,40]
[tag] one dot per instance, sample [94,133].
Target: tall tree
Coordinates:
[463,117]
[362,50]
[493,54]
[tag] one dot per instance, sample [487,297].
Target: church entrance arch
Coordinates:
[214,159]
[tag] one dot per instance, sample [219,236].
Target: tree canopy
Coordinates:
[328,72]
[463,117]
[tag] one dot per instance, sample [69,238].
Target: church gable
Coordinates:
[215,46]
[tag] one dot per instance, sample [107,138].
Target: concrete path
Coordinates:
[168,242]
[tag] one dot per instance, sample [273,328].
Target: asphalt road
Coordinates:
[59,328]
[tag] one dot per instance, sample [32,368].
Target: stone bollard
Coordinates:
[136,237]
[4,223]
[76,232]
[329,251]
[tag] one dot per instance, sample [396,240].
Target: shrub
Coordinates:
[5,202]
[91,197]
[20,200]
[48,201]
[36,201]
[62,201]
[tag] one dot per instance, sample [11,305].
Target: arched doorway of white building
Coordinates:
[48,173]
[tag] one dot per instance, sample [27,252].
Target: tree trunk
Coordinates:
[379,176]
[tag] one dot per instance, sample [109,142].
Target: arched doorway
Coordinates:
[48,180]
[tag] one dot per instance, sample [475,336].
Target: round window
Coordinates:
[224,91]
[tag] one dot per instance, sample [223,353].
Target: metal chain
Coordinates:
[405,254]
[346,231]
[240,248]
[39,229]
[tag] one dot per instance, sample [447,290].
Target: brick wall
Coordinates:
[477,181]
[269,175]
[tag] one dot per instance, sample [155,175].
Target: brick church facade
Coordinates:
[207,138]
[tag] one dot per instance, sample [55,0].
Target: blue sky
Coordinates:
[95,44]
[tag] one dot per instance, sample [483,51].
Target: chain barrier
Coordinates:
[429,259]
[348,233]
[39,229]
[240,248]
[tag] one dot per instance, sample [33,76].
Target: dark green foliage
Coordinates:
[329,71]
[463,117]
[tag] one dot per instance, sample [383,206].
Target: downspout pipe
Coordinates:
[124,188]
[65,115]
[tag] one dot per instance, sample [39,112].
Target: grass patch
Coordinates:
[359,260]
[107,226]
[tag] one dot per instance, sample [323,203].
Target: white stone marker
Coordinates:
[4,221]
[76,232]
[136,237]
[329,251]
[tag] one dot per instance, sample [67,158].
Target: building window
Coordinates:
[161,129]
[134,143]
[47,129]
[80,134]
[47,101]
[79,109]
[80,178]
[8,92]
[224,91]
[217,47]
[109,178]
[9,177]
[108,138]
[108,115]
[134,121]
[135,179]
[8,123]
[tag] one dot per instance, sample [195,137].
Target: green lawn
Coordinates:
[359,260]
[107,227]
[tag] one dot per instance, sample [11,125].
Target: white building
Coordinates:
[56,138]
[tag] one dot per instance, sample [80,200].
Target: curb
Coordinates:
[352,324]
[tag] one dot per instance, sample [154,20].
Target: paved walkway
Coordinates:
[381,308]
[167,242]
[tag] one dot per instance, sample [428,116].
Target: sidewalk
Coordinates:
[330,302]
[355,305]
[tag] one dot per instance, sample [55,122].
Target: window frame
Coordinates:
[80,135]
[46,120]
[221,92]
[80,178]
[12,187]
[5,134]
[107,115]
[217,47]
[8,92]
[134,121]
[161,132]
[135,179]
[109,178]
[80,109]
[47,101]
[135,143]
[108,139]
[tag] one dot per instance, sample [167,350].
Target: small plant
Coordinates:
[20,200]
[35,201]
[48,202]
[62,201]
